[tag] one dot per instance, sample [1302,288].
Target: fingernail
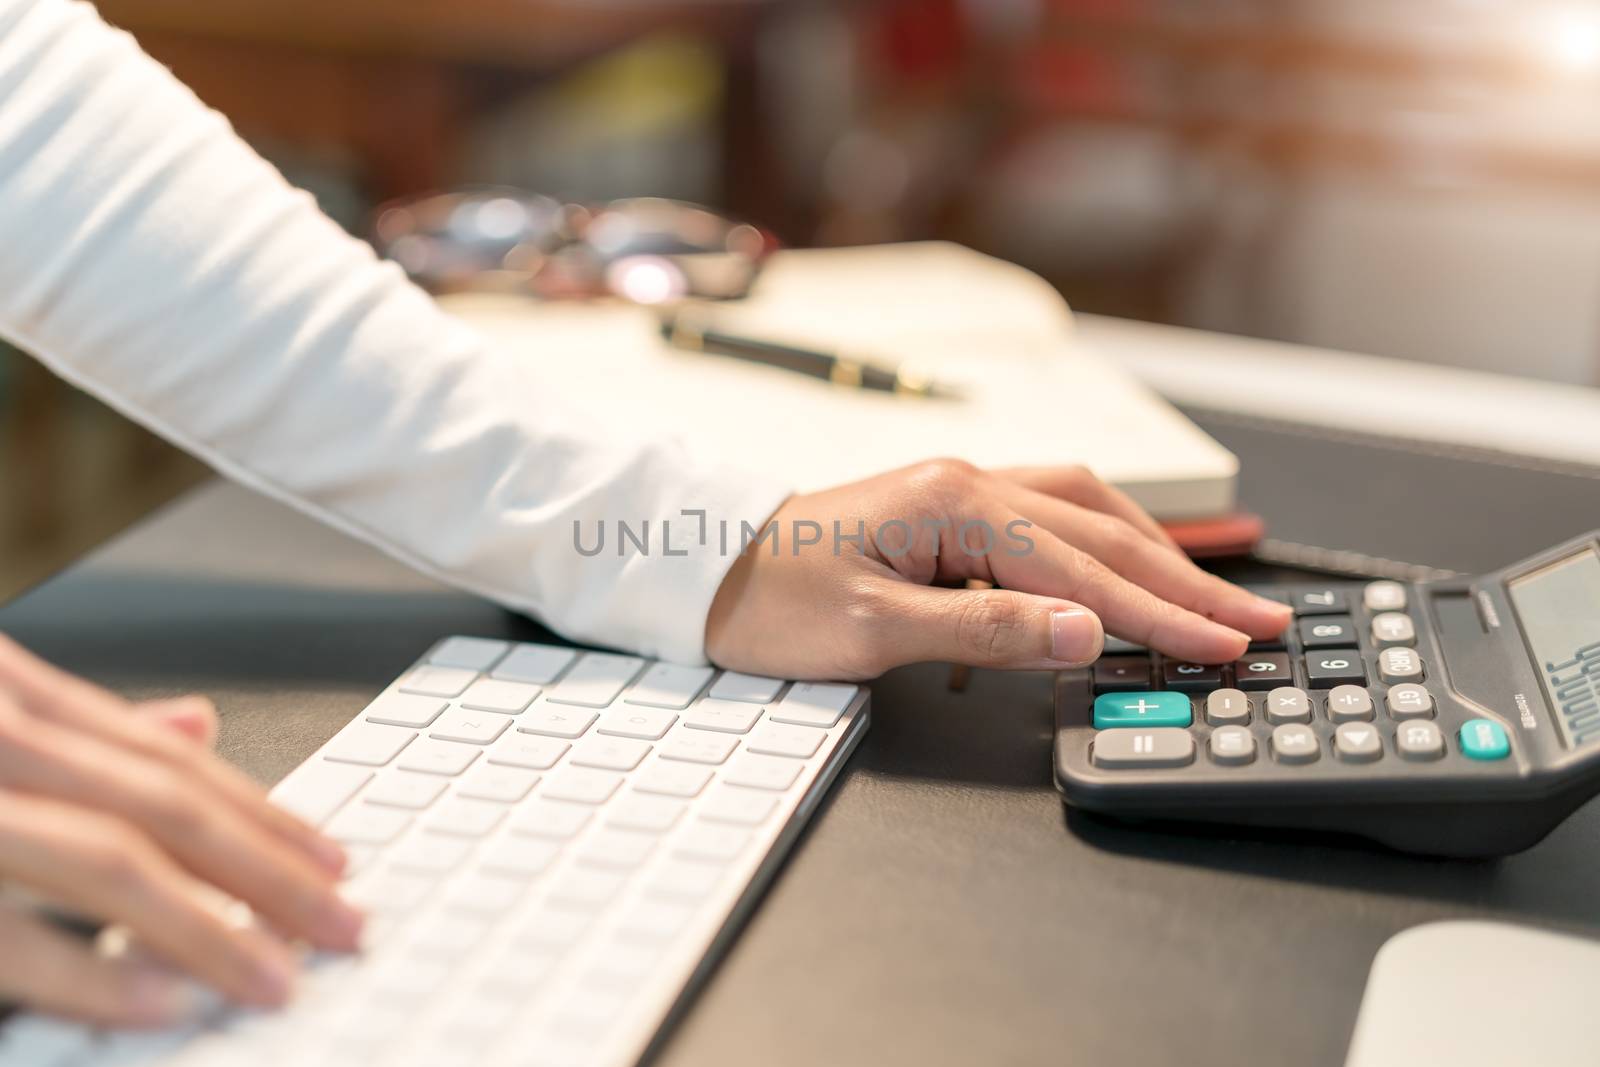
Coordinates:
[162,998]
[342,928]
[1075,636]
[330,854]
[274,979]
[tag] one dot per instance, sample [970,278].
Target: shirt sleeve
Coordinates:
[148,256]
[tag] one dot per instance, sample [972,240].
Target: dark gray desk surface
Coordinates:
[942,910]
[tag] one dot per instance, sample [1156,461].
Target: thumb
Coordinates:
[993,628]
[193,716]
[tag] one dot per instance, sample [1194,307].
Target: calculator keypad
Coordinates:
[1346,683]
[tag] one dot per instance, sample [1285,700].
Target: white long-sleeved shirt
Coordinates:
[148,256]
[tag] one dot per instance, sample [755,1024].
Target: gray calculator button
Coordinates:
[1392,628]
[1420,740]
[1288,704]
[1400,665]
[1357,742]
[1384,596]
[1410,701]
[1227,707]
[1295,743]
[1167,746]
[1232,746]
[1349,703]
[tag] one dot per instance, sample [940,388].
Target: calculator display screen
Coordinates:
[1559,607]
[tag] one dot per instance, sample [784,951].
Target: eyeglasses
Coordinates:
[646,250]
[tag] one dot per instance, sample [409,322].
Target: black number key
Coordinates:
[1191,677]
[1339,666]
[1328,631]
[1121,674]
[1263,670]
[1319,602]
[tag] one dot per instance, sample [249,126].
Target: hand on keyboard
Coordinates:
[118,813]
[1068,552]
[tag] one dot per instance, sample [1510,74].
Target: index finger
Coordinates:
[1078,485]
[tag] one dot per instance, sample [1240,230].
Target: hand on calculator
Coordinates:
[119,813]
[1093,563]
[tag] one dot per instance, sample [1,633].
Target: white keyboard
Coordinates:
[551,845]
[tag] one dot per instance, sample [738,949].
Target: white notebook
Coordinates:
[1033,393]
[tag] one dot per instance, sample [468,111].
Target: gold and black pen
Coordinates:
[682,332]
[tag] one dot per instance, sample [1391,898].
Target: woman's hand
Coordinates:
[1068,553]
[120,813]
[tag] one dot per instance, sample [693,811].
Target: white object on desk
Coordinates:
[1478,994]
[1034,395]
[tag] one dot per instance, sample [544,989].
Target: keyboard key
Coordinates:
[1227,707]
[557,930]
[655,920]
[1288,704]
[1295,743]
[552,819]
[1484,739]
[1349,703]
[586,889]
[1191,677]
[471,653]
[743,807]
[609,753]
[1392,628]
[469,727]
[403,789]
[1399,665]
[431,854]
[516,749]
[367,824]
[795,742]
[504,785]
[508,698]
[465,818]
[690,747]
[645,813]
[481,894]
[616,849]
[1384,596]
[1409,701]
[1113,710]
[709,841]
[819,704]
[595,680]
[1325,601]
[673,779]
[437,681]
[438,757]
[1327,631]
[315,790]
[556,721]
[749,688]
[723,716]
[368,744]
[1232,746]
[649,724]
[1336,667]
[1262,670]
[447,935]
[582,785]
[762,772]
[1357,742]
[668,685]
[534,664]
[1420,741]
[518,857]
[399,709]
[1116,646]
[1117,674]
[1138,749]
[684,880]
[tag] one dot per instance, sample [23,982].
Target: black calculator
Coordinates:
[1458,717]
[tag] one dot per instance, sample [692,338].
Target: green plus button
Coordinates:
[1141,709]
[1480,739]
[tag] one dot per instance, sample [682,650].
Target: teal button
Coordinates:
[1141,709]
[1484,739]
